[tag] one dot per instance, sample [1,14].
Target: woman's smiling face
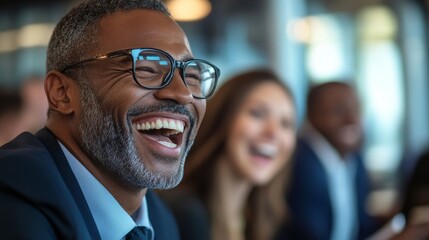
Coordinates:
[262,136]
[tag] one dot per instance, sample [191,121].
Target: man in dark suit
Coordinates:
[126,99]
[329,186]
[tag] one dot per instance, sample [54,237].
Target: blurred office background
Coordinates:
[380,46]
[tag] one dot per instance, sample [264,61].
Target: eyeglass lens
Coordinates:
[153,69]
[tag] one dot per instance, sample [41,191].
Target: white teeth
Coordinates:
[268,150]
[177,126]
[168,144]
[158,124]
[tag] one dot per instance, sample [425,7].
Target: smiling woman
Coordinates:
[235,173]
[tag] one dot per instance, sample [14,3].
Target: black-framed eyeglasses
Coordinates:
[154,69]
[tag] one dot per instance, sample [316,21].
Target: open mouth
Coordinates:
[268,151]
[167,132]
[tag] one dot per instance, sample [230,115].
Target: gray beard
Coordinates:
[111,147]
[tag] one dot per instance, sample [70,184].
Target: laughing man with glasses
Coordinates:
[126,98]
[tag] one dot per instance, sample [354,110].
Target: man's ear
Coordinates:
[61,92]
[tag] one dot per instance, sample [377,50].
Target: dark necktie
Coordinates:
[139,233]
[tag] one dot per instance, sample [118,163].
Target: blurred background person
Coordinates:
[329,185]
[11,105]
[235,173]
[22,108]
[416,199]
[412,218]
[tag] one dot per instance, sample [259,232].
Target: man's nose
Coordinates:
[351,117]
[176,90]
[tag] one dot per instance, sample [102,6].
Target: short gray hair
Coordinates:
[75,34]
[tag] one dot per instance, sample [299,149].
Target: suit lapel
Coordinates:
[50,142]
[162,220]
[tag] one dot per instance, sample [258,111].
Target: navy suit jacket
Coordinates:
[40,197]
[309,201]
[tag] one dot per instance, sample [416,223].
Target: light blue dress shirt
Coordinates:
[112,221]
[341,174]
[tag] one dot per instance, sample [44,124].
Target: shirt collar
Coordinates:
[321,146]
[112,221]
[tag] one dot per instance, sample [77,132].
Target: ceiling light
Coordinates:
[189,10]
